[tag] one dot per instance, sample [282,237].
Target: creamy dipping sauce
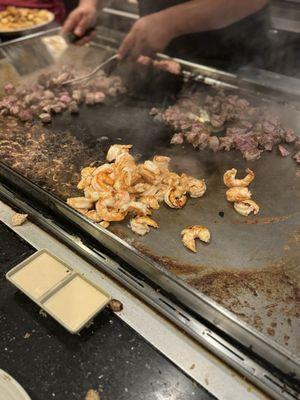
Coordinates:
[40,275]
[75,303]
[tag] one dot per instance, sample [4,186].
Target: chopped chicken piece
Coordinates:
[115,150]
[18,219]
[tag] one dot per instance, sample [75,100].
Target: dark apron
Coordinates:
[243,42]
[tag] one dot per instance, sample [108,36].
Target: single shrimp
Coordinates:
[80,202]
[246,207]
[189,235]
[116,149]
[150,201]
[195,187]
[237,194]
[141,225]
[230,180]
[175,197]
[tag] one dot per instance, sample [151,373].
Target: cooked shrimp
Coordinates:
[230,180]
[104,168]
[175,197]
[141,225]
[102,182]
[122,198]
[140,188]
[104,224]
[150,201]
[80,202]
[136,207]
[86,177]
[246,207]
[91,194]
[162,162]
[238,194]
[93,215]
[116,149]
[195,187]
[109,214]
[149,171]
[194,232]
[171,179]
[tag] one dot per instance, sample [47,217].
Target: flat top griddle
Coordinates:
[251,266]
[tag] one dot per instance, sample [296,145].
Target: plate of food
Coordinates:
[17,20]
[10,389]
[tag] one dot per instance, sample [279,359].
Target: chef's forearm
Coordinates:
[204,15]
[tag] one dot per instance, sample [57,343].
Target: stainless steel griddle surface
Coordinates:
[251,266]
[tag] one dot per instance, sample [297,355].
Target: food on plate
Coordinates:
[246,207]
[141,225]
[238,192]
[231,181]
[18,219]
[224,122]
[121,187]
[48,95]
[15,18]
[189,236]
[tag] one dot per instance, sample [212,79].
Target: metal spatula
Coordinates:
[92,73]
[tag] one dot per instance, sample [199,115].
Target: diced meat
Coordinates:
[170,66]
[25,115]
[213,143]
[154,111]
[45,118]
[177,138]
[283,151]
[296,157]
[99,97]
[217,121]
[73,108]
[89,99]
[9,88]
[252,154]
[65,98]
[289,136]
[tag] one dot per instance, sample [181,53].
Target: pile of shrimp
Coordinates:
[238,192]
[121,187]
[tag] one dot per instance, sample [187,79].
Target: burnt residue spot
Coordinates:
[50,158]
[221,214]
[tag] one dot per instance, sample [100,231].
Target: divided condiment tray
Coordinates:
[70,298]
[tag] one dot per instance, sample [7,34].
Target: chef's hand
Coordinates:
[81,20]
[149,35]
